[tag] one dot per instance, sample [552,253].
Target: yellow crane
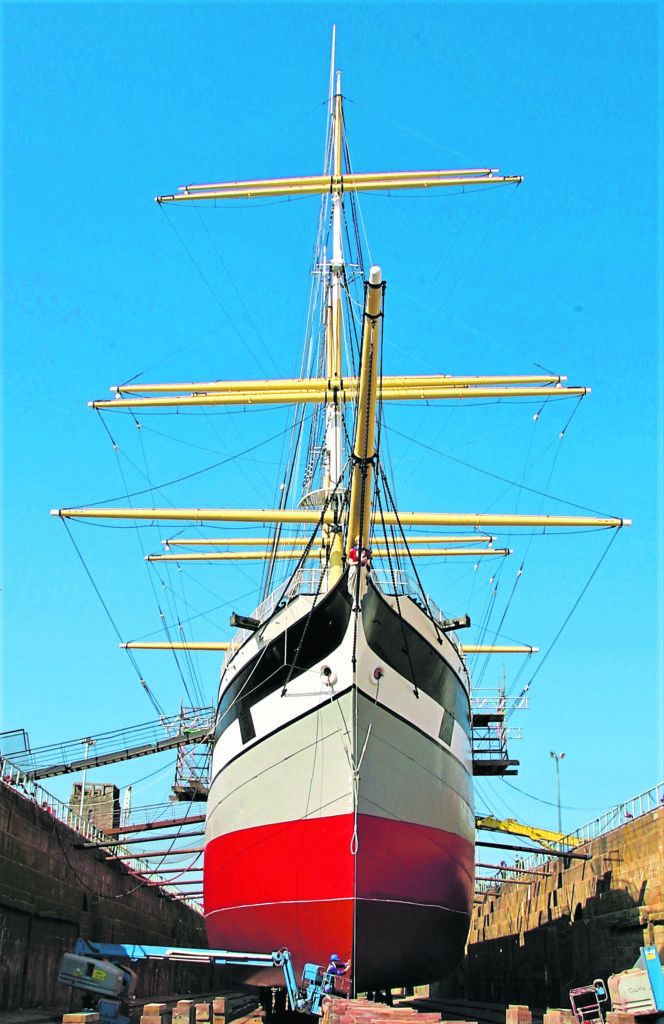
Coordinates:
[541,835]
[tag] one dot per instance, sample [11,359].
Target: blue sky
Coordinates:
[106,105]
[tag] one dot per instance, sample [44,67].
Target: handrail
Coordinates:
[617,817]
[620,815]
[16,779]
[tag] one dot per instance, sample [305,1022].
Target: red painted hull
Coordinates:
[398,906]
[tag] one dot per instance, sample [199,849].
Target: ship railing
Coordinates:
[312,581]
[399,582]
[309,581]
[15,778]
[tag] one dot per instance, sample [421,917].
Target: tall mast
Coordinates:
[332,537]
[334,330]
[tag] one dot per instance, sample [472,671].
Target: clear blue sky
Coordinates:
[106,105]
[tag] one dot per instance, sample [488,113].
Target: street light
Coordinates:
[558,758]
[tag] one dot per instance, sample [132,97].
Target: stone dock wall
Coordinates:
[530,944]
[51,893]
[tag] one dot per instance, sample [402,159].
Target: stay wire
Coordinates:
[148,565]
[552,803]
[155,703]
[296,431]
[235,288]
[302,561]
[567,618]
[494,476]
[213,293]
[189,476]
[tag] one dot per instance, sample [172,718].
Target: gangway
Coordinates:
[189,727]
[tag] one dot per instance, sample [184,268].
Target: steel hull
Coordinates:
[345,823]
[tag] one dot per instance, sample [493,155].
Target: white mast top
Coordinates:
[333,418]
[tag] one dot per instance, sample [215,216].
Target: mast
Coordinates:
[334,347]
[333,433]
[359,513]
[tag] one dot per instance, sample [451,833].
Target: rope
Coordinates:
[567,617]
[155,703]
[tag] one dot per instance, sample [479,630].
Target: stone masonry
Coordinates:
[530,944]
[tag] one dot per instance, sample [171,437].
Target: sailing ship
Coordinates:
[340,816]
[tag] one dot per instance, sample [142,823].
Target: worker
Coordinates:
[359,555]
[334,968]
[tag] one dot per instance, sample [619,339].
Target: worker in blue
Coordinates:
[334,968]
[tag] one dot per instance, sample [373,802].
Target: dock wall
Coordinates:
[51,893]
[530,944]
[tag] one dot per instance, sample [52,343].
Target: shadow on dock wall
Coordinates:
[51,893]
[587,919]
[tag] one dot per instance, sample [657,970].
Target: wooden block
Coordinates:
[202,1011]
[83,1017]
[559,1017]
[154,1009]
[184,1005]
[219,1005]
[518,1015]
[181,1018]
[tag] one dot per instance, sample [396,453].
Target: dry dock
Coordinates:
[51,892]
[529,943]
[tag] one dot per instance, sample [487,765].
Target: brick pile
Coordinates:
[364,1011]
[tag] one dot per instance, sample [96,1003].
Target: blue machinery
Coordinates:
[92,968]
[639,991]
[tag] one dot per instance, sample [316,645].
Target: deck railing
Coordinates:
[17,780]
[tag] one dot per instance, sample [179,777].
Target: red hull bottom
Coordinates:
[399,907]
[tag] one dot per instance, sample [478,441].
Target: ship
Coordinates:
[340,814]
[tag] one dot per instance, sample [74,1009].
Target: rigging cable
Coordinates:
[552,803]
[198,693]
[146,474]
[235,288]
[213,293]
[494,476]
[177,480]
[567,618]
[153,700]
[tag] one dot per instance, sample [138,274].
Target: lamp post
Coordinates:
[89,742]
[558,758]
